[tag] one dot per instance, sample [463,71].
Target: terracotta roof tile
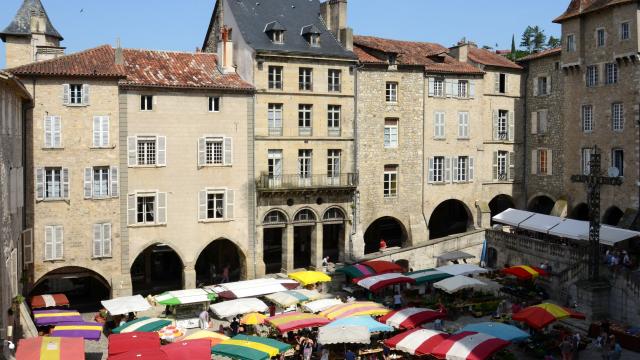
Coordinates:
[541,54]
[581,7]
[486,57]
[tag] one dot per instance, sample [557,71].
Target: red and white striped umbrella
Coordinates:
[469,345]
[410,318]
[377,282]
[417,341]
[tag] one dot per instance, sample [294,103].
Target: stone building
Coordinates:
[15,239]
[298,56]
[436,139]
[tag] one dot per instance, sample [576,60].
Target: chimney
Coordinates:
[461,50]
[334,14]
[119,58]
[225,51]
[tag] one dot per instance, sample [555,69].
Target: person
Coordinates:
[566,348]
[225,274]
[616,349]
[349,355]
[203,319]
[307,349]
[383,245]
[397,301]
[575,339]
[131,316]
[221,329]
[325,354]
[212,271]
[325,261]
[438,325]
[235,324]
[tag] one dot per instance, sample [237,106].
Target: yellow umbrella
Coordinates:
[214,337]
[309,277]
[253,319]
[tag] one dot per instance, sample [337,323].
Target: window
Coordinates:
[390,187]
[214,103]
[463,125]
[100,131]
[53,242]
[542,86]
[75,94]
[304,119]
[502,125]
[147,150]
[611,72]
[274,166]
[333,118]
[52,132]
[625,33]
[571,43]
[275,77]
[438,87]
[275,119]
[503,166]
[501,83]
[617,160]
[277,37]
[617,111]
[100,182]
[542,162]
[146,102]
[304,164]
[333,165]
[52,183]
[539,122]
[600,37]
[213,151]
[101,240]
[215,205]
[437,169]
[146,209]
[390,133]
[587,118]
[305,79]
[334,79]
[392,92]
[586,160]
[463,86]
[314,40]
[438,125]
[462,169]
[592,75]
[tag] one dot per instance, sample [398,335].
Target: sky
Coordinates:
[181,25]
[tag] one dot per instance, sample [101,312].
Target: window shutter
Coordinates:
[39,183]
[506,83]
[447,169]
[58,245]
[470,168]
[106,240]
[65,183]
[97,240]
[534,162]
[228,151]
[105,131]
[535,87]
[48,242]
[97,129]
[455,162]
[534,122]
[549,85]
[431,170]
[161,209]
[512,166]
[162,151]
[496,136]
[550,162]
[472,89]
[229,202]
[85,94]
[449,87]
[27,246]
[202,205]
[132,150]
[115,181]
[512,127]
[201,151]
[497,82]
[88,183]
[131,209]
[56,128]
[65,94]
[495,165]
[543,121]
[48,131]
[432,90]
[20,182]
[455,88]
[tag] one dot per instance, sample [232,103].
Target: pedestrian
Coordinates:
[575,339]
[203,318]
[397,301]
[383,245]
[566,348]
[616,349]
[349,355]
[225,274]
[307,349]
[235,325]
[325,354]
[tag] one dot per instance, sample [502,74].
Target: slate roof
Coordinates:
[581,7]
[252,16]
[486,57]
[21,23]
[147,68]
[433,57]
[541,54]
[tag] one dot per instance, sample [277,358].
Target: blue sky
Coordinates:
[181,25]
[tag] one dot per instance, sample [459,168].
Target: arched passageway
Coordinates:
[211,264]
[612,216]
[580,212]
[83,287]
[157,268]
[541,204]
[304,226]
[499,204]
[450,217]
[274,227]
[333,234]
[388,228]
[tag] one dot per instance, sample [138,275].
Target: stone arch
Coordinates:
[219,253]
[334,236]
[305,215]
[158,267]
[541,203]
[388,228]
[612,216]
[500,203]
[580,212]
[275,212]
[331,212]
[71,280]
[450,217]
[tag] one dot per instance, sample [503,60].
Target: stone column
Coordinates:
[483,214]
[287,249]
[189,276]
[316,246]
[259,260]
[121,285]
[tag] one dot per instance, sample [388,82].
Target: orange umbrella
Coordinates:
[253,318]
[541,315]
[525,272]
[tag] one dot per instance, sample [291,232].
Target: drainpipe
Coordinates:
[525,180]
[424,147]
[356,195]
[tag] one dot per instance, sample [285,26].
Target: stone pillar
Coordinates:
[189,276]
[259,260]
[593,297]
[287,249]
[121,285]
[483,214]
[317,239]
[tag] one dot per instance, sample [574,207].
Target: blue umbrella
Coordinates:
[499,330]
[366,321]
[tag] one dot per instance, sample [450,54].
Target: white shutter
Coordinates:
[97,240]
[131,209]
[27,246]
[472,89]
[534,122]
[543,121]
[88,183]
[456,170]
[549,162]
[470,168]
[512,127]
[495,165]
[39,183]
[162,151]
[512,166]
[496,128]
[105,131]
[534,162]
[229,202]
[132,150]
[65,183]
[202,205]
[115,182]
[432,86]
[106,240]
[449,87]
[48,242]
[97,129]
[58,243]
[56,129]
[48,131]
[21,185]
[228,151]
[506,83]
[455,88]
[65,94]
[431,169]
[535,87]
[549,85]
[497,82]
[202,146]
[161,208]
[85,94]
[447,169]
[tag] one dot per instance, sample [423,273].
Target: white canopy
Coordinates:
[231,308]
[189,296]
[454,255]
[461,269]
[457,283]
[126,304]
[257,287]
[512,217]
[320,305]
[540,223]
[344,335]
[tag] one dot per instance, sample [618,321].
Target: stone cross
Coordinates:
[594,180]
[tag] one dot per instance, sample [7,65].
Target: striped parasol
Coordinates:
[296,320]
[353,309]
[143,324]
[244,347]
[87,330]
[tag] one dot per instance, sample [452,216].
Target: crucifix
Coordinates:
[594,180]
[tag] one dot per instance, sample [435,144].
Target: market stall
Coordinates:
[49,300]
[81,329]
[383,266]
[188,349]
[143,324]
[55,317]
[427,276]
[121,343]
[420,342]
[468,345]
[296,320]
[525,272]
[243,347]
[231,308]
[289,298]
[50,347]
[126,304]
[309,277]
[378,282]
[253,318]
[410,318]
[461,269]
[213,337]
[500,330]
[252,288]
[353,309]
[541,315]
[186,305]
[456,283]
[350,334]
[141,354]
[361,320]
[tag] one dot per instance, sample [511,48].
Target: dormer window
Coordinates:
[277,37]
[275,31]
[312,34]
[314,40]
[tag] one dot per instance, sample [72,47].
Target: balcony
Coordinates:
[289,182]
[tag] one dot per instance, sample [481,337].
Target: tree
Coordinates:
[513,47]
[527,39]
[539,39]
[553,42]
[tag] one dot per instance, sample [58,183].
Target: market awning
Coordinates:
[410,318]
[231,308]
[320,305]
[383,266]
[143,324]
[357,271]
[252,288]
[245,347]
[292,297]
[500,330]
[461,269]
[296,320]
[190,296]
[420,342]
[541,315]
[55,317]
[121,343]
[428,276]
[457,283]
[352,334]
[540,223]
[363,320]
[126,304]
[50,347]
[213,337]
[469,345]
[454,255]
[524,272]
[512,217]
[141,354]
[354,309]
[82,329]
[49,300]
[309,277]
[199,349]
[378,282]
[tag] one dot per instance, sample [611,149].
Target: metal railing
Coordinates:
[295,181]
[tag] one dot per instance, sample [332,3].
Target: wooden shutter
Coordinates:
[161,208]
[85,94]
[549,87]
[535,86]
[472,89]
[534,162]
[27,246]
[534,122]
[48,242]
[105,131]
[549,162]
[456,172]
[56,129]
[59,242]
[455,88]
[449,88]
[65,183]
[48,131]
[39,183]
[447,169]
[431,170]
[132,150]
[162,151]
[131,209]
[97,129]
[506,83]
[88,183]
[544,121]
[230,204]
[202,205]
[497,82]
[470,173]
[228,151]
[97,240]
[115,181]
[512,127]
[202,148]
[495,165]
[66,94]
[496,136]
[432,90]
[20,184]
[512,166]
[106,240]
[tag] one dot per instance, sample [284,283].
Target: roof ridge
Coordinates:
[62,57]
[398,40]
[173,51]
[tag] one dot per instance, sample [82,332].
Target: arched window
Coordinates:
[333,214]
[275,217]
[304,215]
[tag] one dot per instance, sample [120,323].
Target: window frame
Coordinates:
[502,164]
[502,86]
[391,137]
[53,132]
[620,151]
[439,169]
[277,37]
[571,43]
[439,125]
[601,37]
[439,87]
[625,28]
[214,104]
[305,164]
[146,153]
[611,73]
[334,80]
[464,127]
[463,89]
[54,241]
[103,135]
[617,116]
[542,85]
[334,159]
[215,193]
[586,117]
[542,158]
[305,119]
[76,94]
[146,102]
[275,77]
[102,183]
[210,148]
[305,79]
[103,241]
[390,181]
[462,166]
[334,115]
[592,76]
[391,92]
[50,174]
[274,117]
[145,212]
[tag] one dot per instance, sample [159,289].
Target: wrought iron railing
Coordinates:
[295,181]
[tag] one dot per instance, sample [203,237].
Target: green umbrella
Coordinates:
[143,324]
[190,296]
[427,276]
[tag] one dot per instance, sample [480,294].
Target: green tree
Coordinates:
[553,42]
[539,39]
[513,47]
[527,39]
